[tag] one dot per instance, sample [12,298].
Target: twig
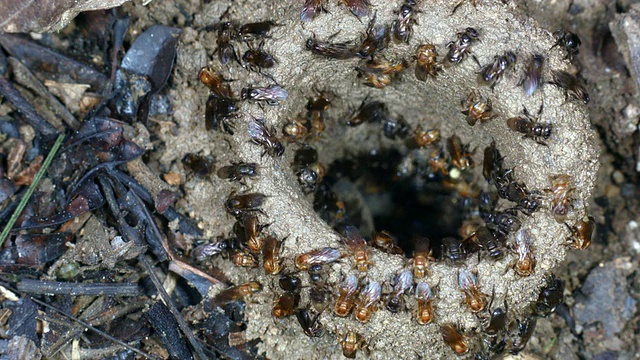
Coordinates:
[70,288]
[32,187]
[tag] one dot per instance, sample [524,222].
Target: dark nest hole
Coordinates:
[373,196]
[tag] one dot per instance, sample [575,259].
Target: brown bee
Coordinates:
[357,245]
[460,48]
[367,300]
[477,107]
[239,204]
[379,73]
[317,257]
[426,62]
[236,293]
[460,155]
[453,337]
[346,298]
[311,327]
[257,58]
[271,255]
[215,82]
[533,75]
[252,231]
[332,50]
[351,342]
[570,84]
[317,125]
[581,233]
[529,126]
[382,240]
[526,262]
[421,257]
[438,162]
[271,95]
[475,300]
[295,130]
[402,28]
[238,171]
[244,259]
[311,8]
[402,284]
[255,30]
[562,191]
[265,137]
[424,295]
[286,305]
[320,103]
[369,111]
[358,8]
[492,73]
[569,41]
[376,39]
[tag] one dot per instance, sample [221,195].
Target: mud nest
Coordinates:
[359,167]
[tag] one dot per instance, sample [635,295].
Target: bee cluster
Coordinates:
[324,286]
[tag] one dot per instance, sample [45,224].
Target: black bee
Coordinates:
[266,137]
[311,8]
[492,73]
[237,171]
[402,28]
[258,58]
[528,126]
[569,41]
[533,75]
[225,48]
[219,112]
[376,39]
[271,94]
[255,30]
[369,111]
[459,49]
[332,50]
[570,84]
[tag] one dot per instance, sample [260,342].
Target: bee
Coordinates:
[367,300]
[550,297]
[255,30]
[474,299]
[492,73]
[305,156]
[492,162]
[265,137]
[237,205]
[477,107]
[488,241]
[460,155]
[219,111]
[286,305]
[525,329]
[402,28]
[311,8]
[529,126]
[295,130]
[382,240]
[460,48]
[453,250]
[426,62]
[198,164]
[358,8]
[346,297]
[351,342]
[581,233]
[225,48]
[497,320]
[244,259]
[271,95]
[453,337]
[258,58]
[369,111]
[320,103]
[570,84]
[423,138]
[562,192]
[533,75]
[378,73]
[375,39]
[317,257]
[236,293]
[204,251]
[311,327]
[252,231]
[424,295]
[526,262]
[339,51]
[215,82]
[506,222]
[421,257]
[309,177]
[289,283]
[318,290]
[271,255]
[238,171]
[402,284]
[569,41]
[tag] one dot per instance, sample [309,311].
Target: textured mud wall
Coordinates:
[432,104]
